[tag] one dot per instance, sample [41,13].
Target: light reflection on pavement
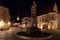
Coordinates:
[10,34]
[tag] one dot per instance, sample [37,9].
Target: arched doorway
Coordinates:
[45,26]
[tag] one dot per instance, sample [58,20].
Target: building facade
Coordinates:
[4,17]
[59,21]
[26,22]
[48,21]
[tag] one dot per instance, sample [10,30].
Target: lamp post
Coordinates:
[18,19]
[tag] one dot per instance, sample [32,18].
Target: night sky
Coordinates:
[22,7]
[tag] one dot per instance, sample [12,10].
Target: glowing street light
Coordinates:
[1,24]
[18,18]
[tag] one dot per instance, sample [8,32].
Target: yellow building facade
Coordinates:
[4,17]
[49,21]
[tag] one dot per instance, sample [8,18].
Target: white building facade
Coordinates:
[48,21]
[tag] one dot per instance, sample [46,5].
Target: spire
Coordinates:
[55,8]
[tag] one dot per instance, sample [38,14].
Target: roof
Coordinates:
[46,10]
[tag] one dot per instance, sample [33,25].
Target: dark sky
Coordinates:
[22,7]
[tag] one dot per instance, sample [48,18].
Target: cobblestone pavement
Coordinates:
[9,34]
[55,34]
